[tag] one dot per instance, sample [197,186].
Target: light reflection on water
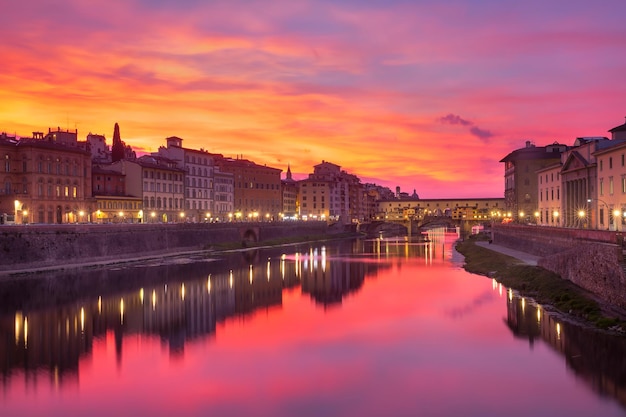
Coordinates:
[368,328]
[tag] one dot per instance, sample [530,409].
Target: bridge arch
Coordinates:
[249,235]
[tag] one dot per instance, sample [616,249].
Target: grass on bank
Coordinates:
[543,286]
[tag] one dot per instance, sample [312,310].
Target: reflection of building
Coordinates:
[597,358]
[54,338]
[329,281]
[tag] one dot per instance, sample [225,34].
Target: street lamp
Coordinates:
[581,216]
[555,215]
[536,217]
[616,214]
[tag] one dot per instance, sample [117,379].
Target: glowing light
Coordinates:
[154,299]
[538,314]
[268,270]
[25,331]
[122,311]
[558,330]
[208,284]
[82,319]
[18,324]
[230,279]
[141,295]
[182,291]
[250,273]
[510,294]
[99,305]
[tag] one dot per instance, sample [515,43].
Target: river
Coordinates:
[350,328]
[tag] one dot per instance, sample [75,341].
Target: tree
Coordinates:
[117,149]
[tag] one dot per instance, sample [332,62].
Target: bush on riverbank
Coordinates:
[538,283]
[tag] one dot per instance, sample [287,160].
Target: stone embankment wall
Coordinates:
[592,259]
[49,245]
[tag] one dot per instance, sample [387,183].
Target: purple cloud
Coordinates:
[482,134]
[453,119]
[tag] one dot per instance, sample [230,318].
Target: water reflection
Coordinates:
[597,358]
[419,324]
[47,323]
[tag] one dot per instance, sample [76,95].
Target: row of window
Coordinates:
[162,187]
[191,182]
[258,186]
[201,161]
[166,203]
[200,172]
[601,162]
[550,193]
[119,205]
[162,175]
[558,175]
[611,190]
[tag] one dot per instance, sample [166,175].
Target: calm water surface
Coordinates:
[357,328]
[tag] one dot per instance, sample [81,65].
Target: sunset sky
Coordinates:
[426,95]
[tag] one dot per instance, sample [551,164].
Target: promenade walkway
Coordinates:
[527,258]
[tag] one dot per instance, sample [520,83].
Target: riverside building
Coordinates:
[45,178]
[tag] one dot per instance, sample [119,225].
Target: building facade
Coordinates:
[46,179]
[257,193]
[223,195]
[199,179]
[549,199]
[333,195]
[521,188]
[459,209]
[289,192]
[159,183]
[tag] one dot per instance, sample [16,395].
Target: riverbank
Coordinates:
[34,269]
[545,287]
